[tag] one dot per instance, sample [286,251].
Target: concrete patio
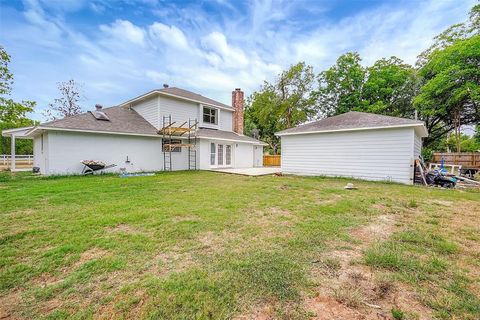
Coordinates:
[251,171]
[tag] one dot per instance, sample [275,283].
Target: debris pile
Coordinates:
[440,177]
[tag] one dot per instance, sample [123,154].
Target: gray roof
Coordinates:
[122,120]
[193,96]
[351,120]
[228,135]
[180,93]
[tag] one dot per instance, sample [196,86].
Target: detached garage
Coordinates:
[354,144]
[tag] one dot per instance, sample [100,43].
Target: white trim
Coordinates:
[239,141]
[279,134]
[9,132]
[144,96]
[93,131]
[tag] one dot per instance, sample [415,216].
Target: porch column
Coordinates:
[12,153]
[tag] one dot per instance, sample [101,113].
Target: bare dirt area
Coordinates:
[350,290]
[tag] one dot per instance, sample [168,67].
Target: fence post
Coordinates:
[12,153]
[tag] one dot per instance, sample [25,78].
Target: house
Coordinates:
[164,129]
[354,144]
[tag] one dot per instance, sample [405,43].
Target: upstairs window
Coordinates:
[210,115]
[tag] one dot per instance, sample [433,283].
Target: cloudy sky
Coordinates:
[118,49]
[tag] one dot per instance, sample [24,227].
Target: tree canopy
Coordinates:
[443,88]
[13,114]
[282,104]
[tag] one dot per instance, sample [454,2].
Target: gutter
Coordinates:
[425,132]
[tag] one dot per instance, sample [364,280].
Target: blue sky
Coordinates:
[118,49]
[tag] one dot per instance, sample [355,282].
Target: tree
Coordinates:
[68,104]
[450,95]
[286,103]
[12,114]
[477,133]
[467,144]
[340,87]
[389,88]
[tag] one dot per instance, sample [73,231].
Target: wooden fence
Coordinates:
[272,160]
[465,159]
[22,161]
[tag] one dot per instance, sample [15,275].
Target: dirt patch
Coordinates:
[324,307]
[8,303]
[349,289]
[258,313]
[379,230]
[165,263]
[47,279]
[91,254]
[125,228]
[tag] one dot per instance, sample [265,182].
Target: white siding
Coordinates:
[417,151]
[67,149]
[149,109]
[40,152]
[180,110]
[243,155]
[371,154]
[258,156]
[226,120]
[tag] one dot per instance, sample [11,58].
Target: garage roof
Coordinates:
[353,120]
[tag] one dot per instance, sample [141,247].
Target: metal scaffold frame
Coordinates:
[169,131]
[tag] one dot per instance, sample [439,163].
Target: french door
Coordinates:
[220,155]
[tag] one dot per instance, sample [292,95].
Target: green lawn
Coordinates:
[187,245]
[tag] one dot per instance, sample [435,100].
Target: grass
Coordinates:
[203,245]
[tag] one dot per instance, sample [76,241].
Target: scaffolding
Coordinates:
[186,131]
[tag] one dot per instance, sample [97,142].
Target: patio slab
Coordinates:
[251,171]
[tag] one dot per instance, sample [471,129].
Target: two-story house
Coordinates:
[142,134]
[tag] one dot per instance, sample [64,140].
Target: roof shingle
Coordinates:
[351,120]
[122,120]
[193,96]
[229,135]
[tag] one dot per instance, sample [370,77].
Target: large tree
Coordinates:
[283,104]
[340,87]
[450,96]
[69,102]
[13,114]
[389,88]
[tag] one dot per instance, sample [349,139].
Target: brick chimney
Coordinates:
[237,104]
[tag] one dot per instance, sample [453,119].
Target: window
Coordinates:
[220,155]
[212,154]
[210,115]
[167,145]
[228,154]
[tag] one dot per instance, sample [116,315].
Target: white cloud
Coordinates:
[231,56]
[124,29]
[171,36]
[190,48]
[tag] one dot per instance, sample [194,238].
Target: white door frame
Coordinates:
[224,146]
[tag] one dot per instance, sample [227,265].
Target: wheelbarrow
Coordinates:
[91,166]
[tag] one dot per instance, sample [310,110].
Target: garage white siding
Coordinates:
[417,151]
[67,149]
[382,154]
[40,152]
